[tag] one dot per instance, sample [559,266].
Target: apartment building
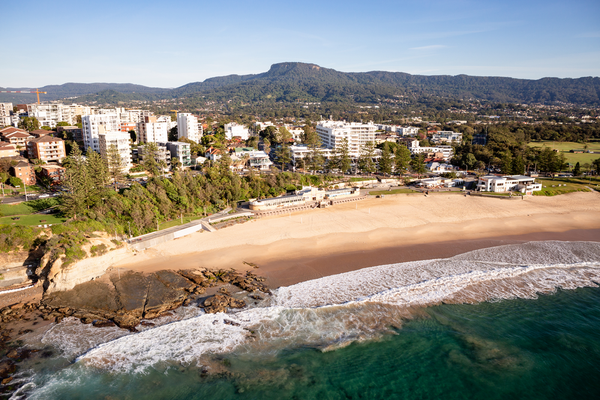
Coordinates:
[94,125]
[72,132]
[152,131]
[446,137]
[234,129]
[181,151]
[407,131]
[16,136]
[333,133]
[54,173]
[47,148]
[24,171]
[187,127]
[6,109]
[8,150]
[121,141]
[163,155]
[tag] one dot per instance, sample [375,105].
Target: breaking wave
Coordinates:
[334,311]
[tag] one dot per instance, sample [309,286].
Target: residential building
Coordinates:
[48,114]
[509,183]
[181,151]
[152,131]
[300,152]
[38,133]
[187,127]
[407,131]
[93,125]
[212,154]
[47,149]
[8,150]
[16,136]
[129,126]
[55,174]
[234,129]
[24,171]
[441,151]
[446,137]
[121,141]
[72,132]
[6,109]
[333,133]
[163,155]
[438,167]
[255,159]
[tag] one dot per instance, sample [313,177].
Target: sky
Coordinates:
[172,43]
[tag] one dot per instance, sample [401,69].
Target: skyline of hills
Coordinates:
[298,82]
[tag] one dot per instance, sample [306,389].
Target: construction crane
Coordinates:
[25,91]
[175,111]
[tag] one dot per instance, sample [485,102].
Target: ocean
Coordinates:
[515,321]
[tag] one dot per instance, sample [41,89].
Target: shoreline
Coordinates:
[312,244]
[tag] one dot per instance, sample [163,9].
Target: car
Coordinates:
[42,196]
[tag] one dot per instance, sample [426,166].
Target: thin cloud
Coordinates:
[430,47]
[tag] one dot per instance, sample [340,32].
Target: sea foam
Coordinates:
[336,310]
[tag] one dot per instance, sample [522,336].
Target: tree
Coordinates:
[15,182]
[173,134]
[385,162]
[577,169]
[344,163]
[283,155]
[115,164]
[132,136]
[314,160]
[365,161]
[29,123]
[596,164]
[151,162]
[98,179]
[402,160]
[75,184]
[175,164]
[418,164]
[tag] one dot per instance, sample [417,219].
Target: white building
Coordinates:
[300,152]
[257,159]
[413,145]
[93,125]
[509,183]
[121,141]
[332,134]
[446,137]
[5,109]
[408,131]
[187,127]
[153,131]
[181,151]
[233,129]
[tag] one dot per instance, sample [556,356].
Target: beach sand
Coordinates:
[311,244]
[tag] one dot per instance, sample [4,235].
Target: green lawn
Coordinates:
[395,191]
[28,207]
[34,219]
[566,147]
[550,187]
[177,222]
[362,179]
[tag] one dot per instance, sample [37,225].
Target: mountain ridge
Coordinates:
[294,81]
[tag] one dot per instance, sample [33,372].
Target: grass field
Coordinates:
[551,187]
[566,147]
[33,219]
[177,222]
[396,191]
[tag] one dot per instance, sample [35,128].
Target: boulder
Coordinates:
[221,302]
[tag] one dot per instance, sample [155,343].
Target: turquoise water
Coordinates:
[527,349]
[376,333]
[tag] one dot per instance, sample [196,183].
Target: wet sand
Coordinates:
[312,244]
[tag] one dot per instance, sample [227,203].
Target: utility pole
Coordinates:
[129,224]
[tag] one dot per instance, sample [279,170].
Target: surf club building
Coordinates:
[509,183]
[307,195]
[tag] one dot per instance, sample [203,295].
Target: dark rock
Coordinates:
[127,321]
[146,323]
[7,380]
[103,323]
[229,322]
[13,354]
[7,367]
[221,302]
[193,276]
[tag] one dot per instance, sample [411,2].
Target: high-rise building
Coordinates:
[47,148]
[333,133]
[94,125]
[153,131]
[233,129]
[187,127]
[121,141]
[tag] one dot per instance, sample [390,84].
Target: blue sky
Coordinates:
[171,43]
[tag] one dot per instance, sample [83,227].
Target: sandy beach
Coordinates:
[311,244]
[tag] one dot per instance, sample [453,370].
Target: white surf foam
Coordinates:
[356,305]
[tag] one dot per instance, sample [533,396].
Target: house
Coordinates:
[24,171]
[439,167]
[256,159]
[509,183]
[54,173]
[212,154]
[446,137]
